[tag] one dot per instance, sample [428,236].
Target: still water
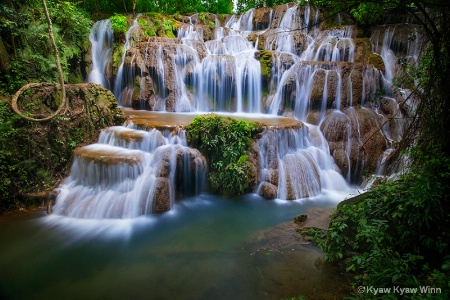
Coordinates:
[206,247]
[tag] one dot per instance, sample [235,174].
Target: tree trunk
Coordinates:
[4,58]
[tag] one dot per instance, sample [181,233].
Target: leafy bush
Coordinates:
[169,28]
[19,170]
[236,179]
[367,13]
[225,142]
[147,26]
[7,157]
[25,34]
[119,23]
[397,233]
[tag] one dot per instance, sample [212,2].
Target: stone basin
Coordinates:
[109,155]
[169,120]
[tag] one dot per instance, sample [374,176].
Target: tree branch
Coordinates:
[60,73]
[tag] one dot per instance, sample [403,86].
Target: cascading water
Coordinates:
[397,45]
[216,82]
[130,173]
[316,77]
[296,162]
[101,38]
[248,82]
[243,23]
[124,84]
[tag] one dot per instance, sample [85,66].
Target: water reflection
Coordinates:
[206,247]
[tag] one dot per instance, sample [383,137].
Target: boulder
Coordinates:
[161,196]
[267,190]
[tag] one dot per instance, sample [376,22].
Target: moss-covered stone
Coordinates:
[265,59]
[300,218]
[377,61]
[354,200]
[35,156]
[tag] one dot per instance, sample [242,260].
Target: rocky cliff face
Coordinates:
[285,60]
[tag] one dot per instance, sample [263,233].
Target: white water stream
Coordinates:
[309,74]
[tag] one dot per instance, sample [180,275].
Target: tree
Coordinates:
[24,33]
[60,77]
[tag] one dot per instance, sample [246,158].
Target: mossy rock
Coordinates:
[265,59]
[300,218]
[377,61]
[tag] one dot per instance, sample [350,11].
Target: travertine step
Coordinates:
[109,155]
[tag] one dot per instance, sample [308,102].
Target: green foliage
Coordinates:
[147,26]
[142,22]
[296,298]
[119,23]
[18,168]
[169,28]
[314,235]
[160,6]
[7,161]
[397,233]
[156,24]
[236,179]
[33,156]
[244,5]
[367,13]
[25,35]
[225,142]
[202,17]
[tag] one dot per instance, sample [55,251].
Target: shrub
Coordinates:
[397,233]
[225,142]
[119,23]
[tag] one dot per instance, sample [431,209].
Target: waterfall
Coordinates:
[318,78]
[243,23]
[130,173]
[161,85]
[101,38]
[297,163]
[124,85]
[248,83]
[393,46]
[216,83]
[190,31]
[283,39]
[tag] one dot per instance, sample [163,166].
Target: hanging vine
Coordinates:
[32,85]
